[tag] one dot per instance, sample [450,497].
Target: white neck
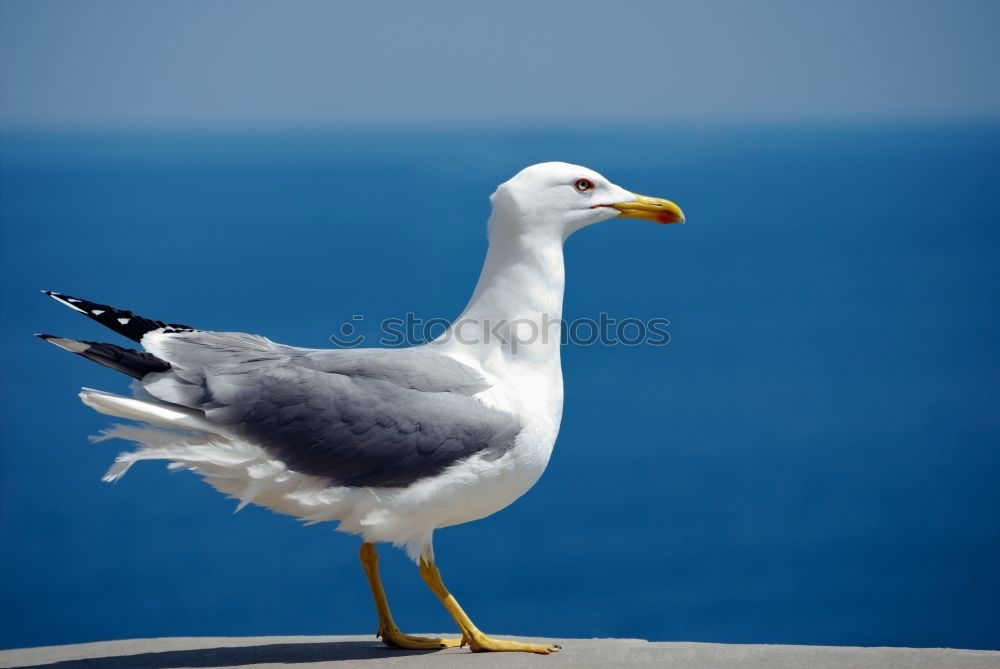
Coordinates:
[519,296]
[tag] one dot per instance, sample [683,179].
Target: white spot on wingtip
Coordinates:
[97,312]
[73,299]
[124,321]
[69,304]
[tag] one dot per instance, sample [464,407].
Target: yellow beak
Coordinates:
[650,208]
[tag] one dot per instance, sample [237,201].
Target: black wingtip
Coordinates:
[122,321]
[125,360]
[66,300]
[66,344]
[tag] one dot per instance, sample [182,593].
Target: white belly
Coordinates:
[467,491]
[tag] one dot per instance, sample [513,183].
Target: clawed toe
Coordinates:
[485,644]
[396,639]
[478,643]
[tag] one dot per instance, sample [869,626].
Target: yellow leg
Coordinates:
[387,629]
[471,635]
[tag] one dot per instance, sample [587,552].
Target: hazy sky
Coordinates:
[151,63]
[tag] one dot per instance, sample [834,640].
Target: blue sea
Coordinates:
[814,458]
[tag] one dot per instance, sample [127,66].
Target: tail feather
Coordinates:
[136,364]
[122,321]
[154,413]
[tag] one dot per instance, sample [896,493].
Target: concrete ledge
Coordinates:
[361,651]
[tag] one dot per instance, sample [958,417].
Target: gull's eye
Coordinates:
[584,185]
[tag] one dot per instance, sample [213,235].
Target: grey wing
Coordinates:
[367,417]
[416,368]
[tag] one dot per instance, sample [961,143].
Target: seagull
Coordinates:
[391,443]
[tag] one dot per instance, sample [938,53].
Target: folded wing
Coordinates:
[364,417]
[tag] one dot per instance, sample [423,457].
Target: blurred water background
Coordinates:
[814,458]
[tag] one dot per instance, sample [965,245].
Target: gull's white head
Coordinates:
[559,198]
